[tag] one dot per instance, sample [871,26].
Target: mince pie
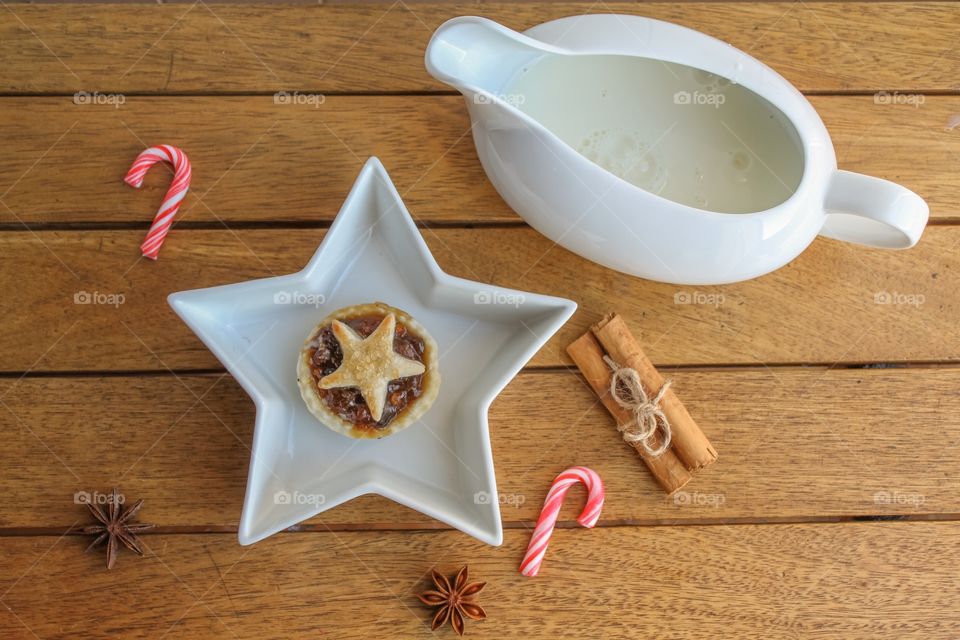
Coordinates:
[368,370]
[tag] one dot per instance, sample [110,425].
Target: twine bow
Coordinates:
[648,417]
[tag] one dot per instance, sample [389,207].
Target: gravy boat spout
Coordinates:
[478,57]
[657,150]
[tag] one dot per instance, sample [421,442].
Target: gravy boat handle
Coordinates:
[873,212]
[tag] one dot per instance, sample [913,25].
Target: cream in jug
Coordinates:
[684,134]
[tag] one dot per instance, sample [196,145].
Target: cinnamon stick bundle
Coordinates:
[690,450]
[587,353]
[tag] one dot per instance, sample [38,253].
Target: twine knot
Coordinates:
[647,416]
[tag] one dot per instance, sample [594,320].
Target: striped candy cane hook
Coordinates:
[175,194]
[537,548]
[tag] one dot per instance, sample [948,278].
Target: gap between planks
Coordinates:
[421,94]
[541,369]
[439,527]
[292,225]
[267,225]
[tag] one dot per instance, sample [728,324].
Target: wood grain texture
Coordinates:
[259,161]
[822,308]
[801,446]
[818,46]
[851,581]
[795,444]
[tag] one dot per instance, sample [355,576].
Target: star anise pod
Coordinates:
[454,600]
[115,527]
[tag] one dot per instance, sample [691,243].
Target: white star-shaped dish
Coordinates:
[442,465]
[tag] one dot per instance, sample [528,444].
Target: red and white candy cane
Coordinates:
[171,201]
[551,511]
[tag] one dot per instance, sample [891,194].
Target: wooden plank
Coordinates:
[818,46]
[255,160]
[252,160]
[822,444]
[851,581]
[822,308]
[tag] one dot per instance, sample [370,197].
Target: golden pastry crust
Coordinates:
[317,405]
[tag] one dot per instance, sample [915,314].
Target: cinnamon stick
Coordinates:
[689,442]
[587,353]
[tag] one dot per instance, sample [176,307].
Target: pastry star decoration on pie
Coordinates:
[370,363]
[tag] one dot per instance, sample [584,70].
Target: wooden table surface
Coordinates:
[832,511]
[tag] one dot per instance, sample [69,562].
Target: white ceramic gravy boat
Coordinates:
[659,151]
